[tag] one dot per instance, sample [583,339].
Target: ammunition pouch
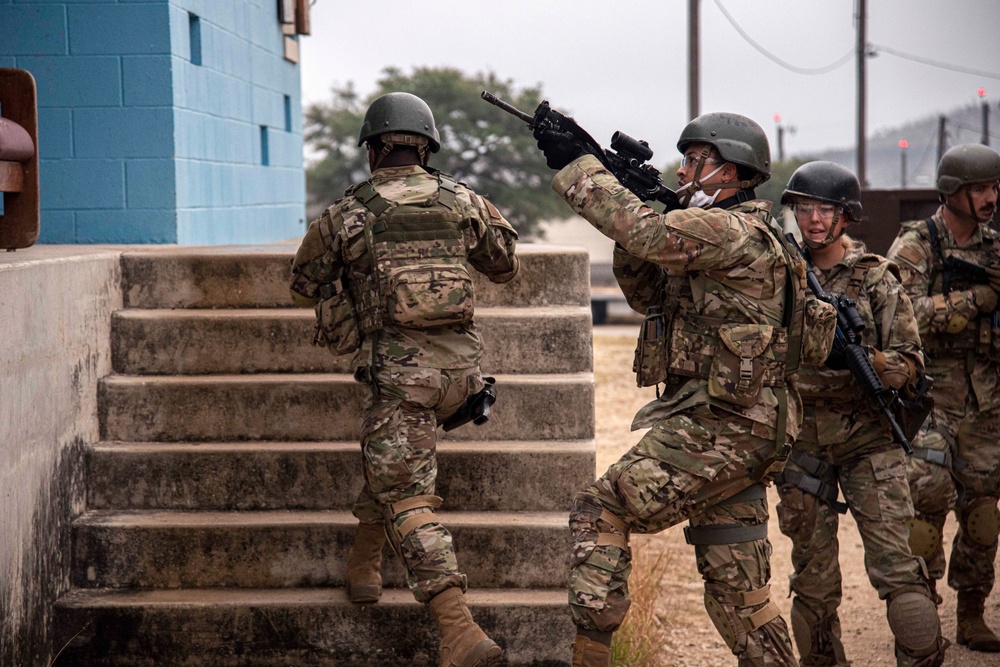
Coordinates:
[422,296]
[336,320]
[650,363]
[475,408]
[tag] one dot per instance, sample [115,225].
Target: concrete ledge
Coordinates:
[257,277]
[321,407]
[483,476]
[281,549]
[316,627]
[547,339]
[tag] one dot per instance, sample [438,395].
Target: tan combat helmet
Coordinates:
[966,164]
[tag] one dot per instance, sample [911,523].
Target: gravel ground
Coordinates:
[691,640]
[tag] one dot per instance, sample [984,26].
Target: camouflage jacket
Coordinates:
[336,240]
[736,267]
[840,407]
[959,361]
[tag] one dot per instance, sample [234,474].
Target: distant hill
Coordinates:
[964,126]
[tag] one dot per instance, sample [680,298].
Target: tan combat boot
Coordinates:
[463,643]
[972,630]
[588,653]
[364,563]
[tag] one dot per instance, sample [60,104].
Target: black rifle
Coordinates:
[475,408]
[958,270]
[626,158]
[847,342]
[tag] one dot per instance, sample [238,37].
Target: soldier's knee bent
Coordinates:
[914,621]
[924,539]
[405,516]
[725,607]
[982,521]
[601,563]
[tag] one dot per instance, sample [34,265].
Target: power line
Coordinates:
[793,68]
[933,63]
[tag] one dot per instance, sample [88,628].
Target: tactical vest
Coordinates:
[737,359]
[407,263]
[847,389]
[977,336]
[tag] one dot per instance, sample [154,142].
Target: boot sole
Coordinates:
[364,594]
[485,654]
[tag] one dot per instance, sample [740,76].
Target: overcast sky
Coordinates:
[623,65]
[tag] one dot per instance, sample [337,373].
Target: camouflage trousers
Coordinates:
[972,435]
[933,491]
[398,446]
[682,469]
[871,473]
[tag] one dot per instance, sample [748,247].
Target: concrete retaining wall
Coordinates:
[55,316]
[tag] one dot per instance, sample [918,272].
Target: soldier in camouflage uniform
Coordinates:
[389,267]
[843,442]
[726,305]
[959,328]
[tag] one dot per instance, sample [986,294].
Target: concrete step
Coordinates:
[475,476]
[320,407]
[282,549]
[257,277]
[315,627]
[552,339]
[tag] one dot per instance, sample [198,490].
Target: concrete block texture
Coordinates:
[69,83]
[287,549]
[119,29]
[31,30]
[312,626]
[548,339]
[473,475]
[257,277]
[319,407]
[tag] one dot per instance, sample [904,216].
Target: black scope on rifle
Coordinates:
[626,145]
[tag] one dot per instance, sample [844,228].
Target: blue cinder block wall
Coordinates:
[162,121]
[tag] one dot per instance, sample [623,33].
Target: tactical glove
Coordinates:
[985,298]
[559,149]
[994,273]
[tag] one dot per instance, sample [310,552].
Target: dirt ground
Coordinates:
[692,641]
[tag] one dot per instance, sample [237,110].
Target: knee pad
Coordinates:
[924,538]
[722,608]
[815,636]
[418,511]
[914,621]
[982,521]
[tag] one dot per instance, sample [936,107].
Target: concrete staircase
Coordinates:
[218,505]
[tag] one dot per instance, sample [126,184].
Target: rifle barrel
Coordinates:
[512,110]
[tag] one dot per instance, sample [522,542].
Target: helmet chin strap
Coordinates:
[971,213]
[688,190]
[830,238]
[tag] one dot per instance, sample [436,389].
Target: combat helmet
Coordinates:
[738,140]
[829,182]
[965,164]
[400,113]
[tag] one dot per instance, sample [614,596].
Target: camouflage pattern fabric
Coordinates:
[415,376]
[843,431]
[700,449]
[966,372]
[933,491]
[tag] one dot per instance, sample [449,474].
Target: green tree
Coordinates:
[492,151]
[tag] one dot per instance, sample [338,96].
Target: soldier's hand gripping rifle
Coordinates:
[626,159]
[847,342]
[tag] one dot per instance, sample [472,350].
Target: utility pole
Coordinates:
[903,145]
[942,134]
[694,76]
[986,117]
[862,54]
[781,136]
